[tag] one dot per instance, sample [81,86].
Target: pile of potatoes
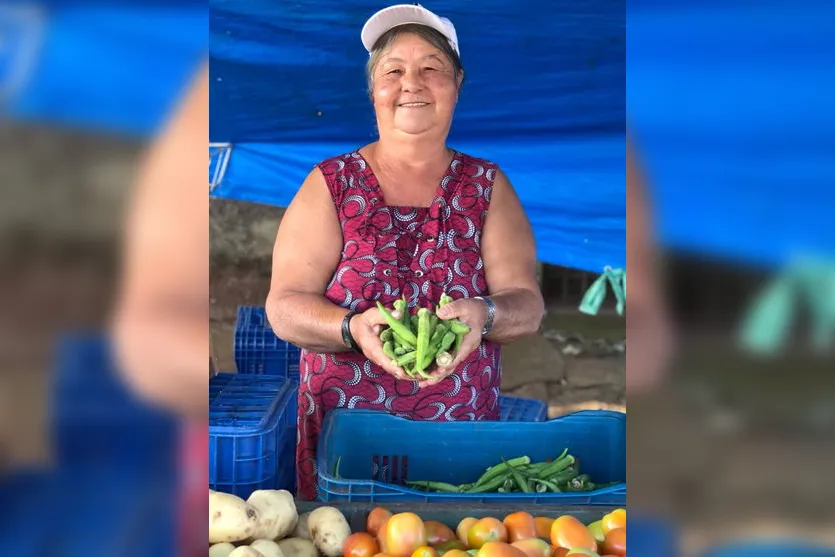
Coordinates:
[268,525]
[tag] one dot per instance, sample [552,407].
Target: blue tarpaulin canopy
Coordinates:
[546,104]
[731,107]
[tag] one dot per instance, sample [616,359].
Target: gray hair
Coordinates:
[428,34]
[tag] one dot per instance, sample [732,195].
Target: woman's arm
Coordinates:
[161,321]
[307,250]
[648,327]
[509,253]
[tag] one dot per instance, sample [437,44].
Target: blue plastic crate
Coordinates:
[258,351]
[118,510]
[377,452]
[95,420]
[762,548]
[252,433]
[515,409]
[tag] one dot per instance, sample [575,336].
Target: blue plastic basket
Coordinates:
[252,433]
[515,409]
[377,452]
[258,351]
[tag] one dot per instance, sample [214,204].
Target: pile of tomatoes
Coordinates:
[519,534]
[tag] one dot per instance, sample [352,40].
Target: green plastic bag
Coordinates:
[596,293]
[808,283]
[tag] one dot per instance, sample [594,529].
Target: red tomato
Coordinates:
[615,519]
[543,527]
[376,518]
[425,551]
[499,549]
[405,532]
[615,542]
[570,533]
[360,544]
[520,526]
[464,528]
[438,533]
[443,548]
[486,530]
[533,547]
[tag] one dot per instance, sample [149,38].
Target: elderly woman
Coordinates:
[403,216]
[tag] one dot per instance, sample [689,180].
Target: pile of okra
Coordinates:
[519,475]
[415,342]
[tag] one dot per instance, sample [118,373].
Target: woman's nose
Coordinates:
[412,80]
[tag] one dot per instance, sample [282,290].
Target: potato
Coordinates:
[301,530]
[231,519]
[277,513]
[328,530]
[298,547]
[268,548]
[221,549]
[246,551]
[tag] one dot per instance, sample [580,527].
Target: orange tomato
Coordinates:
[581,552]
[464,528]
[533,547]
[381,535]
[570,533]
[457,553]
[486,530]
[425,551]
[543,527]
[384,555]
[450,545]
[559,552]
[360,544]
[438,533]
[498,549]
[520,526]
[405,532]
[376,518]
[615,519]
[615,542]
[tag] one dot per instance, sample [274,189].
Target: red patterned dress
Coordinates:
[389,251]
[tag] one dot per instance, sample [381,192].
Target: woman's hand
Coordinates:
[472,313]
[366,328]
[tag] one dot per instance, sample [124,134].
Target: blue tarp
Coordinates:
[731,107]
[546,104]
[115,68]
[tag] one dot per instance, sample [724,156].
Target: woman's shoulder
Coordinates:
[340,161]
[487,166]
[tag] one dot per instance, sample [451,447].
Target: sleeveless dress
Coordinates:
[389,251]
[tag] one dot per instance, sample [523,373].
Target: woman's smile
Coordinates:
[413,105]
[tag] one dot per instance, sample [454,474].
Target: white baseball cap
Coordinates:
[402,14]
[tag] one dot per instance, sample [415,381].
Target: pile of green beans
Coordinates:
[417,342]
[519,475]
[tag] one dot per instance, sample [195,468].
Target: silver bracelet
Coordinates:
[491,314]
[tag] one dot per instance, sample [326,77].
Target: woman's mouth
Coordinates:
[413,105]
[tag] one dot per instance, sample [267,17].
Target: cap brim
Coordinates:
[401,14]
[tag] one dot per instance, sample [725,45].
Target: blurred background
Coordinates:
[731,117]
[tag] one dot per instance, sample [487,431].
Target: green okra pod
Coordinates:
[396,325]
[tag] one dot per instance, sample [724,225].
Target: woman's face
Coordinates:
[414,88]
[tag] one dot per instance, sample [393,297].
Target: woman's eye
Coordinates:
[395,71]
[428,68]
